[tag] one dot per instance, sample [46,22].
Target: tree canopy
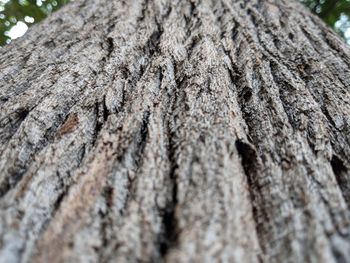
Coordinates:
[23,13]
[335,13]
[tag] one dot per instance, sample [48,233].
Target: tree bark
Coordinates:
[175,131]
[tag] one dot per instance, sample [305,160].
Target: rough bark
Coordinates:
[175,131]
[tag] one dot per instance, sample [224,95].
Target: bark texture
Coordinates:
[175,131]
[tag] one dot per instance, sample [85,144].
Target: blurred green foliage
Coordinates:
[23,13]
[26,11]
[335,13]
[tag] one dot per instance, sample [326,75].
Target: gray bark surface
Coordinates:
[175,131]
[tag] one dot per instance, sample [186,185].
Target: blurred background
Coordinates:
[17,15]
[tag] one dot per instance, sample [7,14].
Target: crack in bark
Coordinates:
[11,123]
[110,46]
[250,165]
[341,173]
[101,113]
[169,236]
[106,222]
[152,44]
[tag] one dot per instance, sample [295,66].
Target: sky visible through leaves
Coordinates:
[17,15]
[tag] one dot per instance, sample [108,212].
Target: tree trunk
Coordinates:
[176,131]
